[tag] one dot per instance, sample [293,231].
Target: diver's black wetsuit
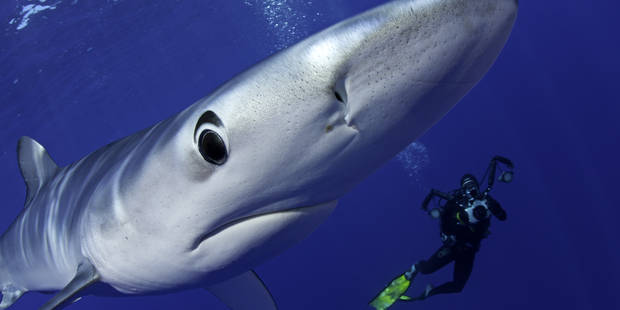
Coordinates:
[461,242]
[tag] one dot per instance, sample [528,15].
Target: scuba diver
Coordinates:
[465,219]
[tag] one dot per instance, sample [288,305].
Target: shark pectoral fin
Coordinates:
[86,275]
[244,292]
[9,296]
[35,164]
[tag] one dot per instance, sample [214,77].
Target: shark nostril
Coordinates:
[338,96]
[340,90]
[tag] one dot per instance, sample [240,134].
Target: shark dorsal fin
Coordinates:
[36,166]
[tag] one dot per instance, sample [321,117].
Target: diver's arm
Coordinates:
[496,209]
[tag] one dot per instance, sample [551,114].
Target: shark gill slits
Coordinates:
[212,147]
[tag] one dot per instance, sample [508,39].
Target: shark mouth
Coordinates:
[304,218]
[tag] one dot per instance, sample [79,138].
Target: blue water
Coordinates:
[76,75]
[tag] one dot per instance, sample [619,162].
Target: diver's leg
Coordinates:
[463,265]
[442,257]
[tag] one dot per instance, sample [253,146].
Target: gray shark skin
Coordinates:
[201,198]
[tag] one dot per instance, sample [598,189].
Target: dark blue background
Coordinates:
[80,76]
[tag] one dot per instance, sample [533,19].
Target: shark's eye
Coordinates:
[212,147]
[211,138]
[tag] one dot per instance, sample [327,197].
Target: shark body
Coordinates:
[201,198]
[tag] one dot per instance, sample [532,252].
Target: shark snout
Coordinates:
[410,62]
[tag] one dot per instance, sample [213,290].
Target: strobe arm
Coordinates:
[504,161]
[492,168]
[431,195]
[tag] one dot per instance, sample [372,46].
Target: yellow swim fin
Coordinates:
[392,293]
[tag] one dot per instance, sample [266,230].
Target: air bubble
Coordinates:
[413,159]
[288,18]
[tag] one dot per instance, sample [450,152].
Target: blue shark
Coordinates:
[205,196]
